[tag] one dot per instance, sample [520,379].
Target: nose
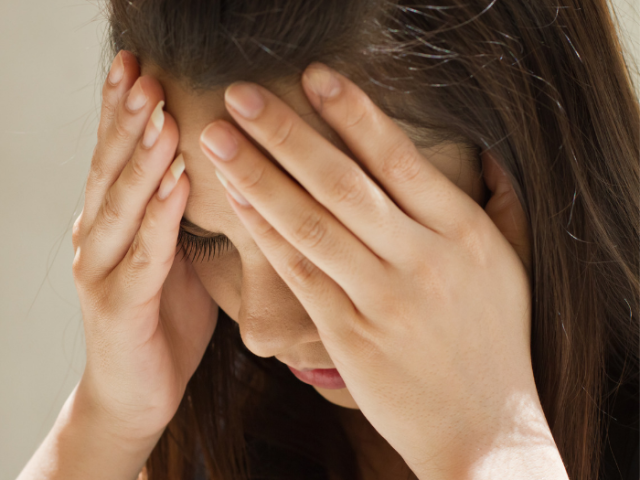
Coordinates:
[271,318]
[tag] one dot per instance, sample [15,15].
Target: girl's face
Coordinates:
[239,278]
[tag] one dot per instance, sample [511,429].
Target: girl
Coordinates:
[407,245]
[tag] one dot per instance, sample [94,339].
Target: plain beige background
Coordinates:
[51,71]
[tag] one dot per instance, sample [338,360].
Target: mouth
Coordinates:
[328,378]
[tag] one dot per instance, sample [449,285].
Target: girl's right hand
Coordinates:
[147,317]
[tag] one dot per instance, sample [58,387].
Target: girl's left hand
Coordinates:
[421,302]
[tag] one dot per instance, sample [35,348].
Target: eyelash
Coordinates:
[201,248]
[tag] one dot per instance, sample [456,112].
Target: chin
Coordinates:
[340,397]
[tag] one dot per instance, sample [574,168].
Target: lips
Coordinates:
[328,378]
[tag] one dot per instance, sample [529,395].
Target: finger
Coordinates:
[504,209]
[122,75]
[297,216]
[125,202]
[140,276]
[331,177]
[414,183]
[75,233]
[323,299]
[119,141]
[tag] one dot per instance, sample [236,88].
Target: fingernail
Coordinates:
[222,178]
[137,98]
[322,81]
[231,189]
[170,179]
[154,127]
[220,141]
[117,70]
[245,99]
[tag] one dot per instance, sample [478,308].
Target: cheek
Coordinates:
[222,278]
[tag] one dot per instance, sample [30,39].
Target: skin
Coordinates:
[413,291]
[241,280]
[325,231]
[286,331]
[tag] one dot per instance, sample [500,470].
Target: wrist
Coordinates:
[515,442]
[81,446]
[82,413]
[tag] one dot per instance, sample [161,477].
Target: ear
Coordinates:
[505,210]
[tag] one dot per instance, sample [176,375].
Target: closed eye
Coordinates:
[198,248]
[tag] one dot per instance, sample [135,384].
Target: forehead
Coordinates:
[193,111]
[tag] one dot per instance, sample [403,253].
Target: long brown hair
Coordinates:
[543,84]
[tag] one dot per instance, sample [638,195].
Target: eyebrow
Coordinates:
[197,229]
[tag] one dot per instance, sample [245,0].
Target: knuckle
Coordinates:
[267,232]
[369,343]
[108,106]
[300,269]
[461,230]
[98,172]
[76,232]
[153,225]
[282,132]
[350,187]
[360,337]
[78,267]
[108,112]
[433,277]
[81,271]
[140,256]
[107,91]
[311,231]
[111,210]
[401,163]
[475,239]
[137,173]
[465,225]
[252,180]
[385,300]
[119,132]
[360,109]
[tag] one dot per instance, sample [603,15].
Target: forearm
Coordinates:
[78,447]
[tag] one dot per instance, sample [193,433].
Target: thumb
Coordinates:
[505,209]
